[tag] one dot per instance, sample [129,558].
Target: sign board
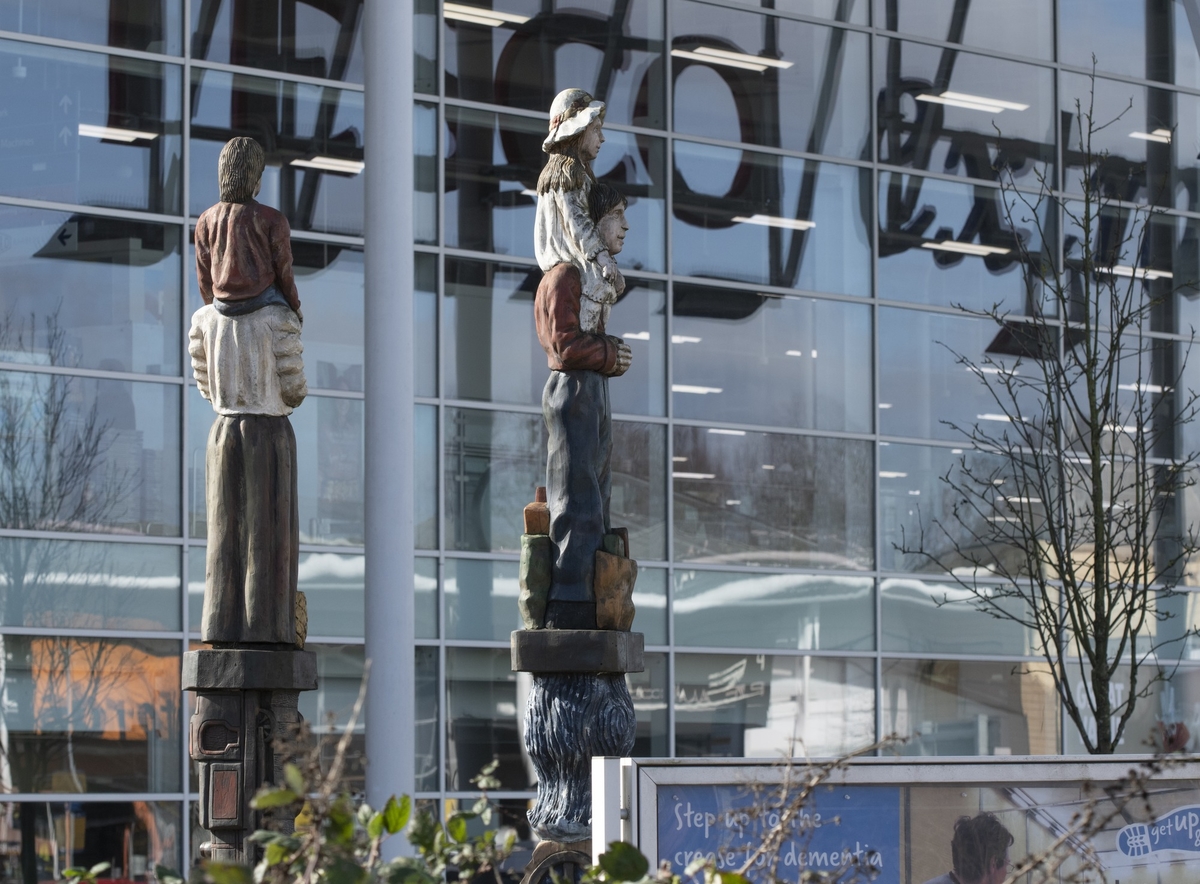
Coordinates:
[896,816]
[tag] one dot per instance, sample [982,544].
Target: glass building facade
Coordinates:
[784,421]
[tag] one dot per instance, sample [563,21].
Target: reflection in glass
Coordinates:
[154,26]
[650,600]
[763,218]
[425,502]
[1173,698]
[927,617]
[317,38]
[90,715]
[481,599]
[313,136]
[426,722]
[648,689]
[791,84]
[639,488]
[926,390]
[134,837]
[1017,27]
[771,499]
[759,706]
[99,130]
[425,325]
[84,452]
[481,719]
[425,46]
[1152,41]
[794,362]
[56,583]
[792,611]
[492,166]
[943,110]
[967,707]
[493,460]
[328,708]
[951,244]
[425,178]
[88,292]
[425,602]
[532,50]
[329,450]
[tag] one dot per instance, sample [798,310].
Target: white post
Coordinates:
[390,739]
[606,804]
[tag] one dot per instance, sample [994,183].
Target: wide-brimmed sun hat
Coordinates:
[572,111]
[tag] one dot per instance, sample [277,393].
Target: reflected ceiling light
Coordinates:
[477,15]
[637,336]
[768,466]
[1144,388]
[693,475]
[741,60]
[892,474]
[331,164]
[527,192]
[1126,270]
[973,102]
[885,405]
[679,459]
[1162,136]
[699,391]
[684,339]
[772,221]
[956,451]
[720,432]
[109,133]
[1021,499]
[984,369]
[1118,428]
[965,248]
[915,493]
[1001,418]
[733,503]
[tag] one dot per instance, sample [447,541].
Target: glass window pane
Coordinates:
[427,764]
[1019,27]
[320,38]
[1154,41]
[88,292]
[927,617]
[746,357]
[1172,698]
[329,458]
[481,719]
[425,603]
[918,217]
[304,129]
[66,584]
[425,178]
[793,611]
[639,487]
[425,325]
[153,26]
[762,218]
[492,166]
[425,46]
[81,451]
[649,692]
[494,461]
[743,706]
[98,130]
[924,388]
[966,707]
[91,714]
[328,708]
[640,319]
[481,599]
[613,50]
[425,515]
[768,499]
[943,110]
[135,837]
[809,94]
[650,600]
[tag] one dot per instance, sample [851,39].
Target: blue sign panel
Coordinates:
[1177,830]
[837,827]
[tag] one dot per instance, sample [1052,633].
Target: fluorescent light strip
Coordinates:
[109,133]
[733,503]
[772,221]
[331,164]
[700,391]
[1125,270]
[637,336]
[973,102]
[1000,418]
[744,57]
[721,432]
[477,15]
[756,65]
[892,474]
[1144,388]
[693,475]
[684,339]
[965,248]
[1162,136]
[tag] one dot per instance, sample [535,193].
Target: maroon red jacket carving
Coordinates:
[556,312]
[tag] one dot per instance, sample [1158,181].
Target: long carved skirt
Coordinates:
[253,531]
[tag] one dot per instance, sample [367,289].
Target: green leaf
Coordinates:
[344,871]
[74,873]
[295,779]
[263,836]
[484,779]
[167,876]
[271,797]
[396,814]
[375,826]
[365,812]
[95,870]
[227,873]
[275,853]
[732,878]
[456,828]
[624,862]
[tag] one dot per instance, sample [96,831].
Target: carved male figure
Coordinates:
[246,357]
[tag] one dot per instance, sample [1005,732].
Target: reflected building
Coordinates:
[813,191]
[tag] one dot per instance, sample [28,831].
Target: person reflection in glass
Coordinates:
[571,318]
[979,850]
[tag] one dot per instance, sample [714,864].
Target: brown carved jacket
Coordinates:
[241,249]
[556,312]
